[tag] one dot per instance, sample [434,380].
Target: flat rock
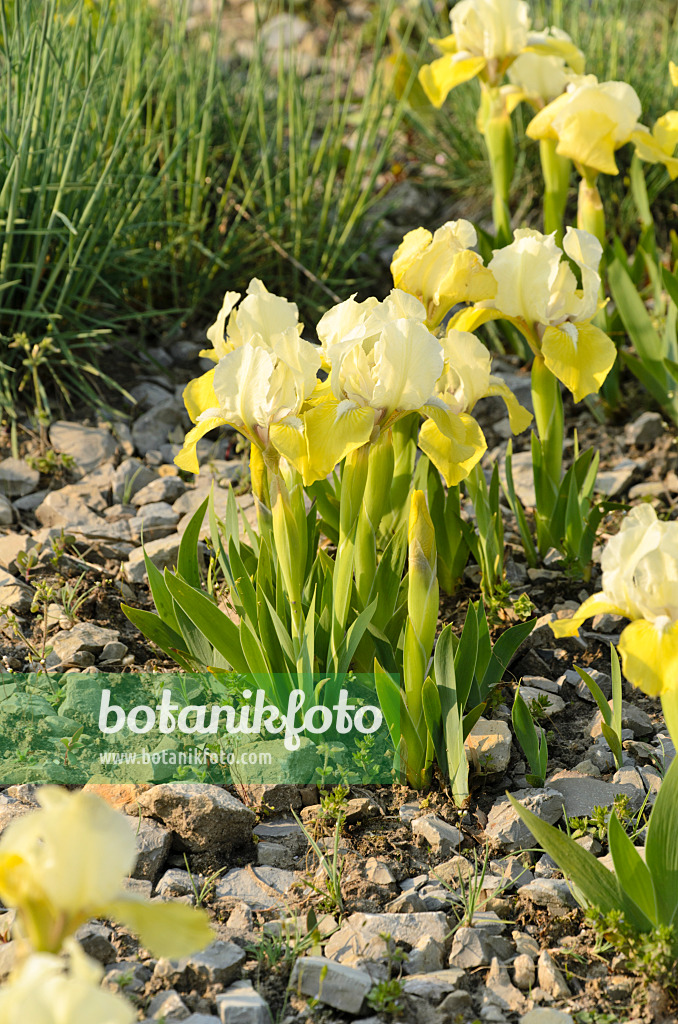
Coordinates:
[553,893]
[165,488]
[489,745]
[505,829]
[157,519]
[17,478]
[242,1005]
[361,935]
[131,477]
[162,552]
[11,545]
[217,964]
[614,482]
[201,815]
[546,1015]
[84,636]
[6,511]
[555,703]
[14,593]
[261,888]
[645,429]
[167,1005]
[433,986]
[632,717]
[153,428]
[443,838]
[500,991]
[582,793]
[338,985]
[153,846]
[88,446]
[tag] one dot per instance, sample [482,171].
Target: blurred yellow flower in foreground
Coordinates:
[66,863]
[45,989]
[640,582]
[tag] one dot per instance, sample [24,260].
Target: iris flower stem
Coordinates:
[670,710]
[549,420]
[556,173]
[495,124]
[353,484]
[374,504]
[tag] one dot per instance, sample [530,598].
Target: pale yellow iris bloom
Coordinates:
[487,36]
[441,269]
[593,119]
[46,989]
[539,78]
[466,379]
[538,292]
[640,582]
[261,316]
[66,863]
[265,373]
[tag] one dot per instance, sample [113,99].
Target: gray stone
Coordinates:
[409,902]
[603,680]
[177,882]
[581,793]
[283,31]
[550,978]
[127,976]
[131,477]
[524,972]
[95,939]
[361,934]
[378,871]
[17,479]
[84,636]
[153,428]
[201,815]
[433,986]
[274,855]
[278,831]
[606,622]
[261,888]
[546,1015]
[512,871]
[444,839]
[488,746]
[165,488]
[499,991]
[153,846]
[614,482]
[337,985]
[15,595]
[276,797]
[88,446]
[73,506]
[153,521]
[218,964]
[645,430]
[242,1005]
[505,828]
[632,717]
[425,957]
[162,552]
[201,1018]
[553,893]
[11,545]
[167,1005]
[523,479]
[148,394]
[470,949]
[6,511]
[114,651]
[555,703]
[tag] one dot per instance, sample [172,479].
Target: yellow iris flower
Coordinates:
[640,582]
[487,36]
[537,77]
[265,373]
[441,269]
[49,990]
[592,119]
[537,291]
[66,863]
